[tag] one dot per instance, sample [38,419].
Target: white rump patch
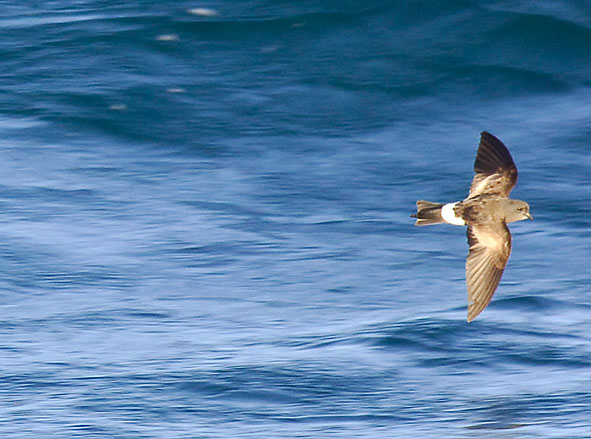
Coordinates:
[448,214]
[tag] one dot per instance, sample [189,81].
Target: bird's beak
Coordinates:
[529,217]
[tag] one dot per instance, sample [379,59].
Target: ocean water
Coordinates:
[205,228]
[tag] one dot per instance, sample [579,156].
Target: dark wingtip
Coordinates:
[492,154]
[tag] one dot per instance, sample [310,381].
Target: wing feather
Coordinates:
[496,173]
[485,264]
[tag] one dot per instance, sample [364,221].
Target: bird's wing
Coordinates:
[496,173]
[490,247]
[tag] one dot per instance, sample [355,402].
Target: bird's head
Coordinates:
[519,211]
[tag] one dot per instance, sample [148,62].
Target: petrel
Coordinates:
[486,211]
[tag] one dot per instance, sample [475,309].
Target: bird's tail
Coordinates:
[428,213]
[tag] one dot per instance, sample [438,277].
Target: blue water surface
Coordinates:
[205,225]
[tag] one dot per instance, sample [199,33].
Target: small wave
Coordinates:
[28,21]
[537,304]
[202,12]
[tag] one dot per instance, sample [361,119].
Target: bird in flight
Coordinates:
[486,211]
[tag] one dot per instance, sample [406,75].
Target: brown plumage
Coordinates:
[486,211]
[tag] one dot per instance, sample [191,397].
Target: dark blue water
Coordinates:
[205,225]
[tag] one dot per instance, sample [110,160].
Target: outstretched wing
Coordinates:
[496,173]
[490,247]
